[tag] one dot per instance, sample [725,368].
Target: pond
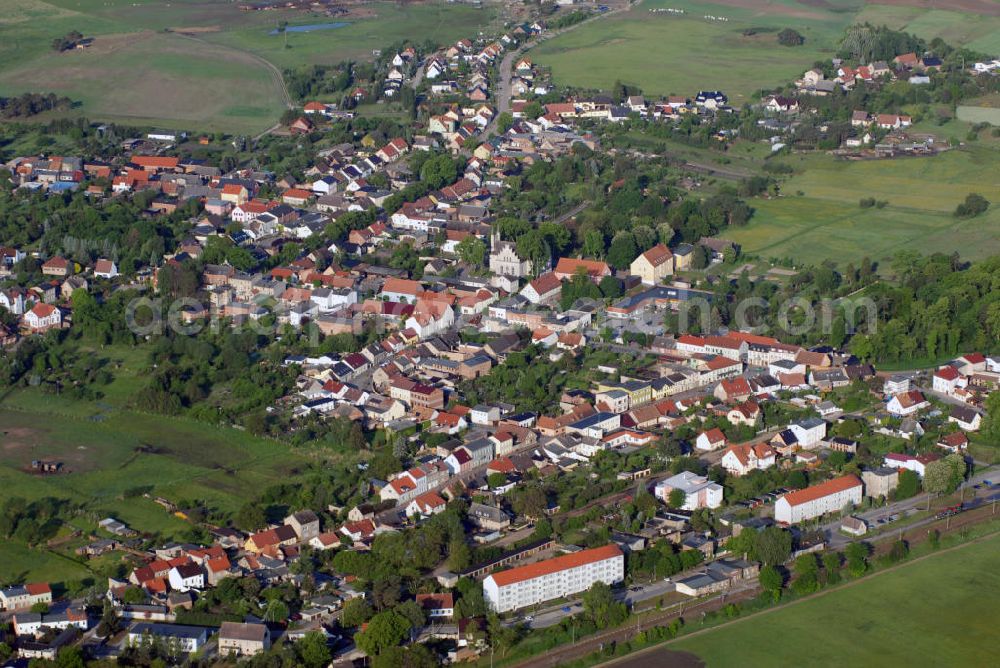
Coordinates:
[311,27]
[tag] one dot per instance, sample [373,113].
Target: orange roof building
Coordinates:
[559,577]
[567,267]
[827,497]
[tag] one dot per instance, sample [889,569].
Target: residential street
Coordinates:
[837,540]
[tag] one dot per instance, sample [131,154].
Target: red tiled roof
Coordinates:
[218,565]
[911,398]
[430,500]
[36,588]
[736,386]
[691,340]
[501,465]
[955,440]
[436,601]
[720,362]
[948,373]
[164,162]
[594,268]
[549,566]
[57,262]
[401,286]
[827,488]
[297,193]
[657,255]
[43,310]
[546,283]
[715,435]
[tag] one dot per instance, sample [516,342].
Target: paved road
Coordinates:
[691,610]
[418,76]
[837,540]
[948,399]
[504,92]
[555,614]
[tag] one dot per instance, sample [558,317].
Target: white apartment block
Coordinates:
[699,491]
[553,578]
[827,497]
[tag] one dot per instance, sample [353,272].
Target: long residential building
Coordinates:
[553,578]
[826,497]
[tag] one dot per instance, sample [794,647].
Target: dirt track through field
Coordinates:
[276,76]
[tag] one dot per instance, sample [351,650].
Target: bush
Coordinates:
[790,37]
[974,205]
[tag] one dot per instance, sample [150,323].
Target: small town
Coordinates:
[465,359]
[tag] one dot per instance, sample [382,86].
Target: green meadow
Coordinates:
[893,619]
[665,53]
[221,73]
[113,457]
[818,216]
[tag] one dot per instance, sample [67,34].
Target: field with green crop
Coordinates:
[731,44]
[818,216]
[665,53]
[197,64]
[976,31]
[934,612]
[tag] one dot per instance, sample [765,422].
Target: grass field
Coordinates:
[826,222]
[222,75]
[976,31]
[437,22]
[934,612]
[668,54]
[22,564]
[109,455]
[174,458]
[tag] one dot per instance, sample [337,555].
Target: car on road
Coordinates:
[566,608]
[529,618]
